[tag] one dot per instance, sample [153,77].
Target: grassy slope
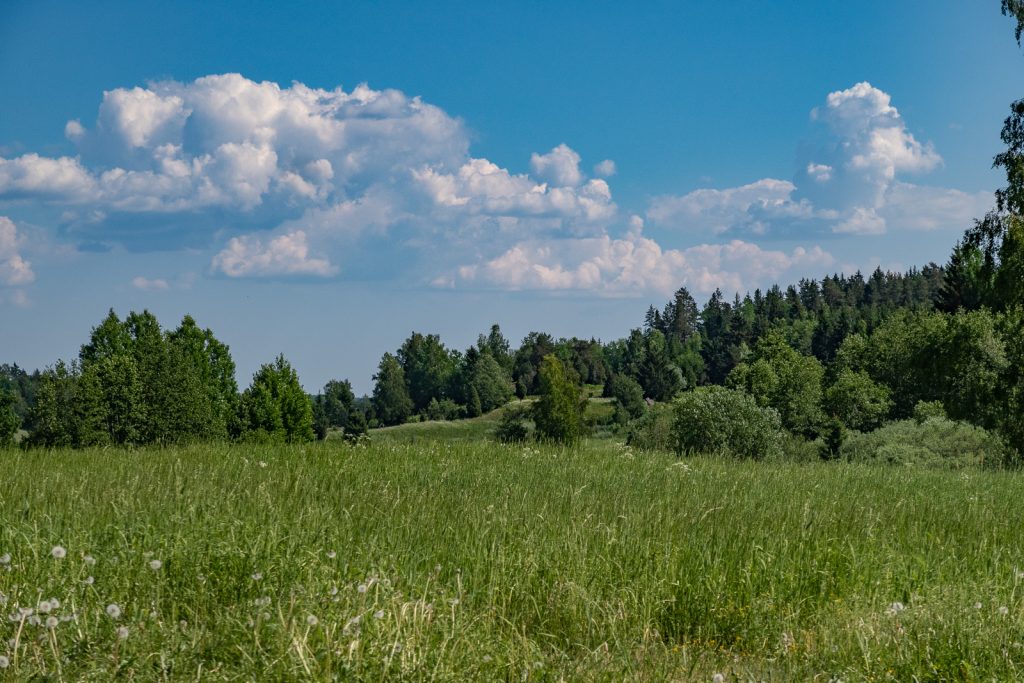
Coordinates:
[492,562]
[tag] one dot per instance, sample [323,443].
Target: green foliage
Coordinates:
[391,400]
[558,412]
[275,408]
[489,383]
[445,409]
[715,419]
[629,397]
[514,425]
[473,406]
[427,367]
[9,421]
[935,442]
[858,401]
[654,430]
[778,377]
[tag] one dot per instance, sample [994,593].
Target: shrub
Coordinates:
[513,427]
[653,430]
[858,401]
[724,420]
[933,442]
[558,413]
[926,410]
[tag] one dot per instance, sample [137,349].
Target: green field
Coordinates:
[426,556]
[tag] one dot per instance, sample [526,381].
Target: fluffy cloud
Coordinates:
[14,270]
[277,173]
[636,263]
[147,285]
[286,254]
[848,185]
[605,169]
[560,166]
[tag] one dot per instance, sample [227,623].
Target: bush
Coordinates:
[858,401]
[934,442]
[513,427]
[445,409]
[926,410]
[713,419]
[652,431]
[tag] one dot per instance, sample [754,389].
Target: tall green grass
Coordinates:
[468,560]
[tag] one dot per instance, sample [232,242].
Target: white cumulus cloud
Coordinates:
[286,254]
[14,270]
[150,285]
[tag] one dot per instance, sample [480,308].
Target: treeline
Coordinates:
[134,383]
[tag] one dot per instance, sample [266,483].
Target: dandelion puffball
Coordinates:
[113,611]
[312,620]
[122,632]
[155,564]
[58,552]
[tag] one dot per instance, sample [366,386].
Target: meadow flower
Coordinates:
[334,590]
[51,622]
[89,560]
[113,611]
[33,620]
[155,564]
[361,588]
[1004,610]
[4,662]
[718,678]
[257,576]
[44,607]
[312,620]
[379,614]
[5,558]
[58,552]
[122,632]
[88,581]
[331,554]
[977,605]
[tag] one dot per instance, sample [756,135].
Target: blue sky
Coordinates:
[320,180]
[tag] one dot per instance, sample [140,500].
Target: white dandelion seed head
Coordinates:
[44,607]
[265,616]
[331,554]
[257,576]
[34,620]
[487,659]
[1004,610]
[361,588]
[113,611]
[718,678]
[5,558]
[51,622]
[89,581]
[155,564]
[4,662]
[122,632]
[334,590]
[153,615]
[89,560]
[312,620]
[59,552]
[379,614]
[454,602]
[977,605]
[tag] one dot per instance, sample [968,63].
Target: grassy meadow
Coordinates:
[434,555]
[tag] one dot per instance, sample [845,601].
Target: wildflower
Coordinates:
[487,659]
[312,620]
[89,560]
[34,620]
[718,678]
[5,558]
[895,608]
[361,588]
[51,622]
[113,611]
[58,552]
[257,576]
[44,607]
[262,464]
[454,602]
[155,564]
[4,662]
[122,632]
[977,605]
[334,590]
[331,554]
[379,614]
[88,581]
[1004,610]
